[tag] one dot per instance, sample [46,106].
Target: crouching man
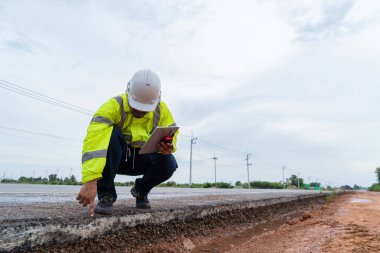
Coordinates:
[117,131]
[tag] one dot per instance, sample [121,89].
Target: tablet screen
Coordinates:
[158,134]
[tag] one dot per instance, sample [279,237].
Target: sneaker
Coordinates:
[142,201]
[104,205]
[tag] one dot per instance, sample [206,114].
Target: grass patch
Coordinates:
[331,197]
[375,188]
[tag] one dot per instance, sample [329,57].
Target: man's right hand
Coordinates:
[87,195]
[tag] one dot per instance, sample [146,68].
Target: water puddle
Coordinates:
[361,201]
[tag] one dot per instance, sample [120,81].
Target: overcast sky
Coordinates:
[294,83]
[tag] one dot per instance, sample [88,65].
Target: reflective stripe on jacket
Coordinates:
[116,113]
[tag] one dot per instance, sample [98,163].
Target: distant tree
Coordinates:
[73,179]
[38,179]
[357,187]
[23,179]
[245,185]
[266,185]
[294,180]
[378,174]
[223,185]
[207,185]
[170,183]
[130,183]
[346,187]
[313,184]
[374,187]
[238,183]
[53,178]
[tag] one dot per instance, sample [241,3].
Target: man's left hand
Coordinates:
[165,148]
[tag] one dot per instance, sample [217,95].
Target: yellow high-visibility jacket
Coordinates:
[117,113]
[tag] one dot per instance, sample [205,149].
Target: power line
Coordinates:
[39,141]
[270,173]
[34,93]
[232,161]
[269,163]
[41,97]
[203,160]
[220,147]
[37,133]
[202,142]
[209,144]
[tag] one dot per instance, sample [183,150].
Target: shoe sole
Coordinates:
[143,207]
[134,194]
[100,210]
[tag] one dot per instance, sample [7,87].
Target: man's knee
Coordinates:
[169,164]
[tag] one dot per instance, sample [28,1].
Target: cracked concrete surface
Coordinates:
[50,220]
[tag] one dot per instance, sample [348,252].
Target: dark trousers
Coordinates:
[155,167]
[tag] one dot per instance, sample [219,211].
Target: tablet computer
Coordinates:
[158,134]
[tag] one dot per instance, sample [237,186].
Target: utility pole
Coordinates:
[248,164]
[56,178]
[71,169]
[298,178]
[193,140]
[283,176]
[215,167]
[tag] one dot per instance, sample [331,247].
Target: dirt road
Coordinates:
[349,223]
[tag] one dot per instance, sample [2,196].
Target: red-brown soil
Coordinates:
[348,223]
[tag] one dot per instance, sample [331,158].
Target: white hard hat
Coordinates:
[144,90]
